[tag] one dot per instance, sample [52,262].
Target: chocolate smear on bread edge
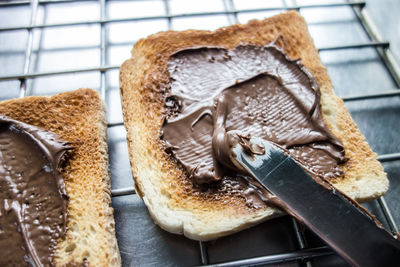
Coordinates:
[33,196]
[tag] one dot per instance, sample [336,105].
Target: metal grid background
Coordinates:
[50,46]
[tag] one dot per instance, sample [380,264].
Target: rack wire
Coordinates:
[304,253]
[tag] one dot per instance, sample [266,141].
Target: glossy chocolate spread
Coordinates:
[256,91]
[33,200]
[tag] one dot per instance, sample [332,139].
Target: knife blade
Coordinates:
[341,223]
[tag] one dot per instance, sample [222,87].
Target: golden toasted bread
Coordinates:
[172,200]
[78,117]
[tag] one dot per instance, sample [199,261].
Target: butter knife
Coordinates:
[340,222]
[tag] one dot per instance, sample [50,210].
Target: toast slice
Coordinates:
[78,117]
[160,181]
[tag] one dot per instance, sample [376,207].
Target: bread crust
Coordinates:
[79,118]
[162,183]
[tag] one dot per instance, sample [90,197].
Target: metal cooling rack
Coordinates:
[23,66]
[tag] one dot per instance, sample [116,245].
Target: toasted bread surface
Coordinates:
[79,118]
[165,188]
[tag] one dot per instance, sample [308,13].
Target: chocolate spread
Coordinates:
[33,200]
[256,91]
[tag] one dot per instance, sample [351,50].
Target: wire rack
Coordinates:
[28,58]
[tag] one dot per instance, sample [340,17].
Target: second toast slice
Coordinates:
[78,117]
